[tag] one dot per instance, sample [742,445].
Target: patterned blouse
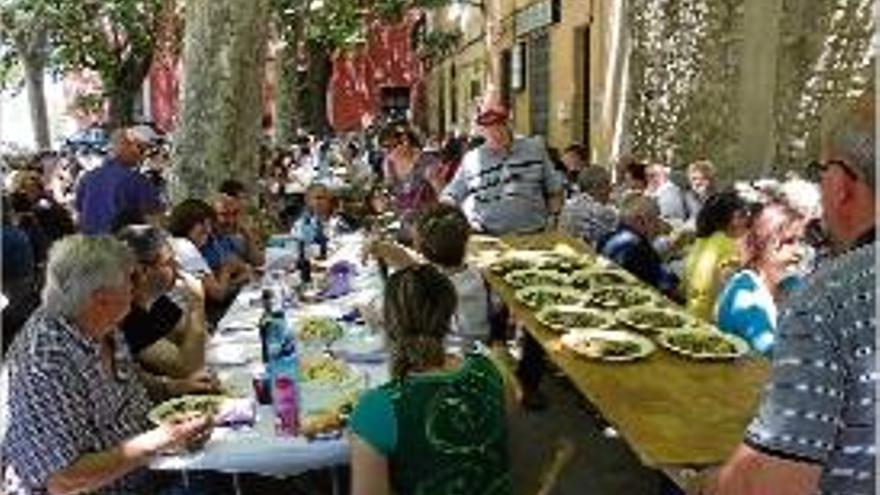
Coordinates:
[63,404]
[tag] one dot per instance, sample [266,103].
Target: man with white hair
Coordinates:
[670,198]
[116,187]
[77,410]
[630,246]
[815,429]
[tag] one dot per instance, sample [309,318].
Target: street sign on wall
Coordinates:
[537,15]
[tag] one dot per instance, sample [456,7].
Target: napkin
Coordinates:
[237,412]
[339,278]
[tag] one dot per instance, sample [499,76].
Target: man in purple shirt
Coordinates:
[116,187]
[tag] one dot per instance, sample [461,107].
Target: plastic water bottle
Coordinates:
[285,395]
[266,323]
[304,265]
[321,240]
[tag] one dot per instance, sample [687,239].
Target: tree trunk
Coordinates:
[124,88]
[121,111]
[37,101]
[320,70]
[224,61]
[287,111]
[32,44]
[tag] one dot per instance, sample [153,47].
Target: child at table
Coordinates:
[440,236]
[440,415]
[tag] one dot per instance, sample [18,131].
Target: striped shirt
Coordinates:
[819,404]
[63,404]
[506,194]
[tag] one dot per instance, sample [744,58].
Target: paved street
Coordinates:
[600,466]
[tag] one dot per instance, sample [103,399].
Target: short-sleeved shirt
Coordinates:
[710,260]
[635,254]
[110,189]
[506,194]
[63,404]
[746,308]
[820,404]
[189,258]
[144,327]
[470,323]
[220,248]
[441,432]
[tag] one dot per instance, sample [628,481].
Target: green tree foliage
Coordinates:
[114,38]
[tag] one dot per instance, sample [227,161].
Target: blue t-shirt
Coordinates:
[746,309]
[219,248]
[635,254]
[110,189]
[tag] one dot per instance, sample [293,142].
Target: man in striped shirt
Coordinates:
[508,185]
[815,430]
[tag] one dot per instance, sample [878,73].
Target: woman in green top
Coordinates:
[439,426]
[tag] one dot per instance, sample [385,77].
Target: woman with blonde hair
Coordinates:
[747,306]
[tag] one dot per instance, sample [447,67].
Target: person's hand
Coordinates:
[200,382]
[193,287]
[189,432]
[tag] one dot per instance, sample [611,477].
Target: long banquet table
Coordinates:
[234,353]
[676,414]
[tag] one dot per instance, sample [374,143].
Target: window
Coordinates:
[395,101]
[539,83]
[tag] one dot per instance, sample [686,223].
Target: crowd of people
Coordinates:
[748,258]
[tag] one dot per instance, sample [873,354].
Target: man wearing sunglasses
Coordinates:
[814,431]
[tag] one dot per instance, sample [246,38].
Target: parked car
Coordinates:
[93,139]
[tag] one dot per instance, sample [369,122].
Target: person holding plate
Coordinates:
[77,408]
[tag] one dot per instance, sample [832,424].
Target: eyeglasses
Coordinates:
[815,169]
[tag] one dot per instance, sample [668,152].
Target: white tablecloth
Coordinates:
[234,353]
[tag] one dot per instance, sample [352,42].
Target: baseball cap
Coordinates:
[492,111]
[143,134]
[491,116]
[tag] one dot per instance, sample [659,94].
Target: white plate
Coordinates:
[231,354]
[644,296]
[623,278]
[628,317]
[588,343]
[549,277]
[570,296]
[360,345]
[320,395]
[667,340]
[543,316]
[184,404]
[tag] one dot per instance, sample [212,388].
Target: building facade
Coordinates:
[545,63]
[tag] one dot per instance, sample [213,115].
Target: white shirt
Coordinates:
[189,258]
[471,320]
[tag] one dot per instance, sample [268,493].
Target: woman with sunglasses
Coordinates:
[408,173]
